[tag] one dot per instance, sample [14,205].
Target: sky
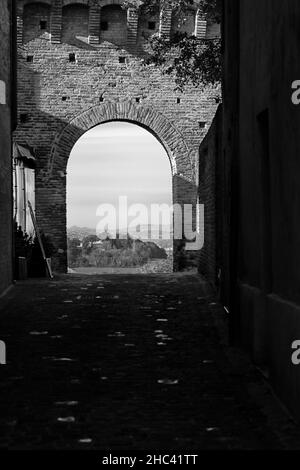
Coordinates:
[111,160]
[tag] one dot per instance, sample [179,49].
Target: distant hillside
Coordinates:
[163,238]
[80,232]
[164,242]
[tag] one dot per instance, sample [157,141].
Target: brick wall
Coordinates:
[214,194]
[107,80]
[146,22]
[5,153]
[213,31]
[36,21]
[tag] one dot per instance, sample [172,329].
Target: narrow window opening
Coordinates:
[122,60]
[202,124]
[151,25]
[43,24]
[23,117]
[72,57]
[178,100]
[138,100]
[104,26]
[29,58]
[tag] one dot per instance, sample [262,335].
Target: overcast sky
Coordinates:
[112,160]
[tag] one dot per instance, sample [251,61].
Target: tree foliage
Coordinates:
[88,242]
[210,8]
[189,59]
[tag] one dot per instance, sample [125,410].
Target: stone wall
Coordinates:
[6,271]
[261,145]
[113,25]
[82,73]
[208,160]
[215,195]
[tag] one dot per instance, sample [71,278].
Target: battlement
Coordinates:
[96,22]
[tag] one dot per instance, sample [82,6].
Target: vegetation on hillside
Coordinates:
[111,252]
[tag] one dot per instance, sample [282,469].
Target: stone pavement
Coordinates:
[128,362]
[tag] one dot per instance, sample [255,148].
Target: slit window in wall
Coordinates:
[29,58]
[178,100]
[104,26]
[151,25]
[23,118]
[72,57]
[202,124]
[65,98]
[138,100]
[122,60]
[43,25]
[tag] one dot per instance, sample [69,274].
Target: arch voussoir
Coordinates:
[163,129]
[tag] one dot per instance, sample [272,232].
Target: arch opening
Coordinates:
[53,210]
[113,24]
[75,24]
[119,201]
[36,19]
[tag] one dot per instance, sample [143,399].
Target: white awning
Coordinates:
[25,154]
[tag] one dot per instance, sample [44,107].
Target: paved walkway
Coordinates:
[126,362]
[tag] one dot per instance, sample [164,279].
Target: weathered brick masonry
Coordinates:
[214,194]
[5,147]
[81,64]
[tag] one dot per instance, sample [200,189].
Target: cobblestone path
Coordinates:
[122,362]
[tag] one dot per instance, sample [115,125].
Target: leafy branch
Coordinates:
[191,60]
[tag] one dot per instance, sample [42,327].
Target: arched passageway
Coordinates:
[119,190]
[51,196]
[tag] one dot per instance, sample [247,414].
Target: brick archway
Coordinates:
[156,123]
[51,181]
